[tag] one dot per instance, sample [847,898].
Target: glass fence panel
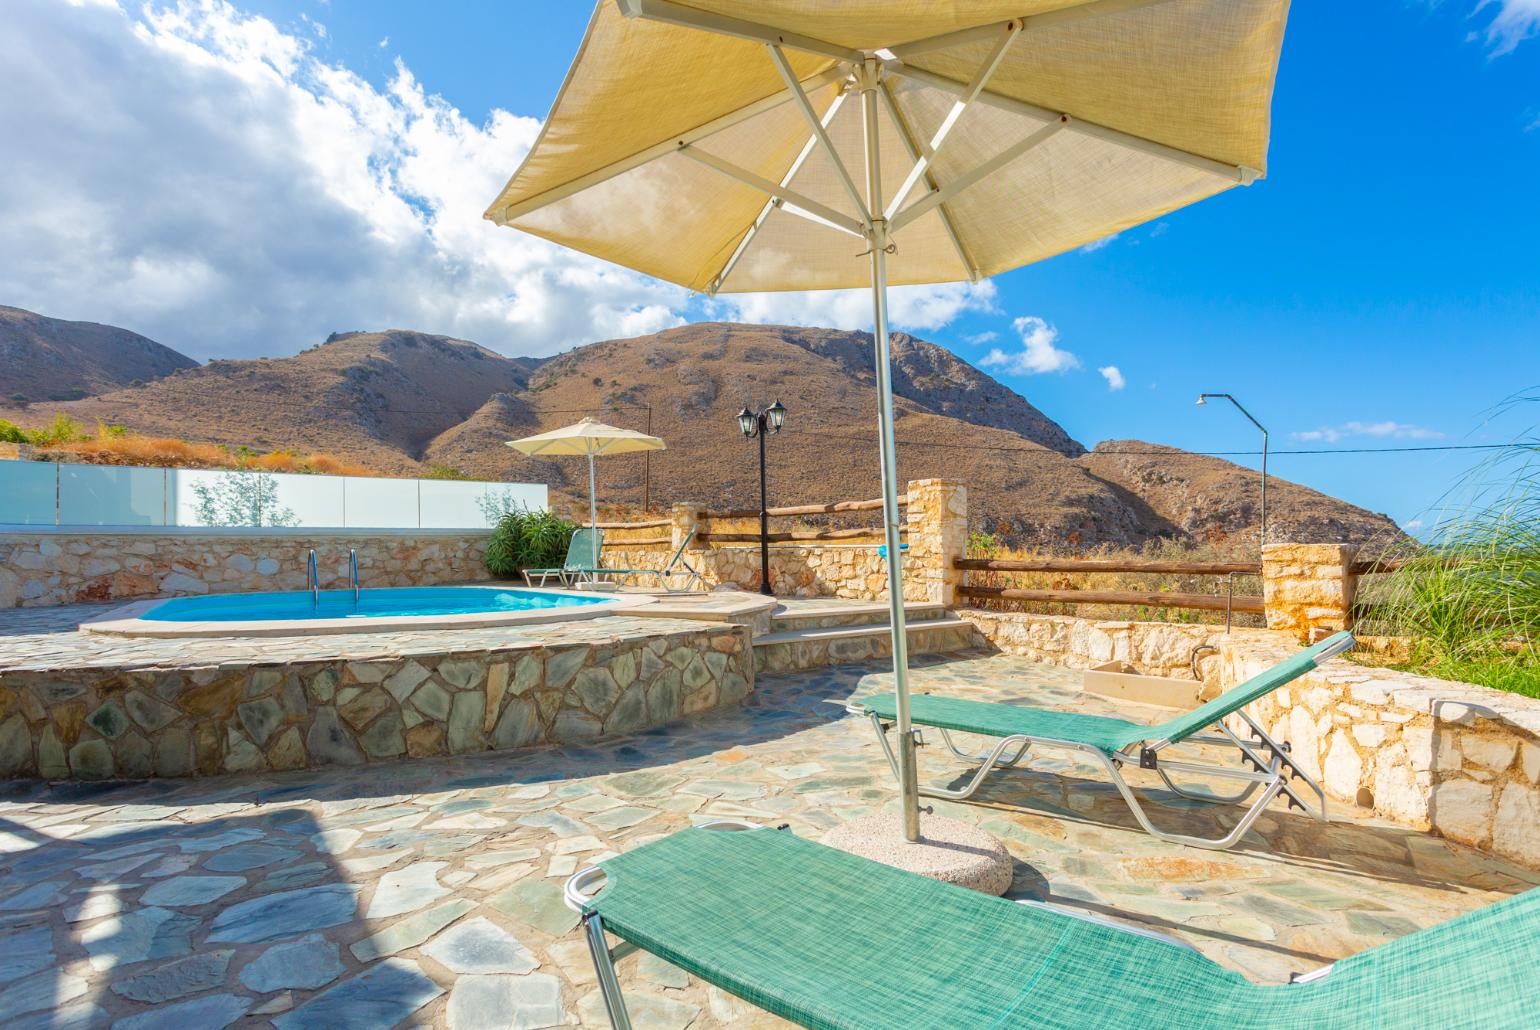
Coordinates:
[459,505]
[103,495]
[380,503]
[34,493]
[28,493]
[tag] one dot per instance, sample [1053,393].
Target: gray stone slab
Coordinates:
[176,979]
[386,994]
[25,952]
[481,946]
[291,912]
[248,856]
[140,935]
[213,1012]
[187,891]
[307,963]
[504,1002]
[410,931]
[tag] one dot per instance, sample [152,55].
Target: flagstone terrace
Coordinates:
[428,892]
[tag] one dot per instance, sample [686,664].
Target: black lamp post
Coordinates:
[762,424]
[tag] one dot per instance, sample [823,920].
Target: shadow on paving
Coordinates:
[156,922]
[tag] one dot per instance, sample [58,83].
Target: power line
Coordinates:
[1011,449]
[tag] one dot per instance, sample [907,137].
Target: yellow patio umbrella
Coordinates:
[748,145]
[592,438]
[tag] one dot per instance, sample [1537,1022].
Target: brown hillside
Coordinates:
[1210,499]
[401,402]
[373,398]
[43,359]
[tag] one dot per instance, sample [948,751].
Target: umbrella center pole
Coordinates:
[877,239]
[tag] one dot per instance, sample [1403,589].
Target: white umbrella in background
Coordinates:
[745,145]
[594,439]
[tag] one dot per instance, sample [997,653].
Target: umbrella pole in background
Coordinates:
[877,241]
[593,512]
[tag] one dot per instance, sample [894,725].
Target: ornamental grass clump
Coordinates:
[1468,601]
[525,539]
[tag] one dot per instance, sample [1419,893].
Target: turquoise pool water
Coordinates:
[372,604]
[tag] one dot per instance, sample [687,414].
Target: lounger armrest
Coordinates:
[585,884]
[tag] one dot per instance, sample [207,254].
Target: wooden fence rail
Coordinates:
[1209,568]
[800,509]
[1153,598]
[645,524]
[794,535]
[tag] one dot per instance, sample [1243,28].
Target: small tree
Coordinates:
[242,499]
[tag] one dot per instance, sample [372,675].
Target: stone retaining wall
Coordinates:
[52,568]
[95,723]
[1433,754]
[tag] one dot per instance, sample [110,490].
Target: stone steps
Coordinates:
[847,614]
[794,650]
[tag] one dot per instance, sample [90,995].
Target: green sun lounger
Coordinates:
[1265,764]
[584,545]
[676,565]
[833,941]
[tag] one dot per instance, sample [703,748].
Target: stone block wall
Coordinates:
[96,723]
[38,569]
[937,524]
[1455,758]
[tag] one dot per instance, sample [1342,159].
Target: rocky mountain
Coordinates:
[404,402]
[50,359]
[375,398]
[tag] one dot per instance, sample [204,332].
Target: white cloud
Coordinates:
[909,307]
[979,339]
[198,175]
[383,43]
[1039,351]
[1379,430]
[1095,245]
[1114,377]
[1513,23]
[201,176]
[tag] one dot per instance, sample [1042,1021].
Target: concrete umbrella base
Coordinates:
[948,850]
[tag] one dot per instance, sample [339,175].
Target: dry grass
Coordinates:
[64,439]
[985,545]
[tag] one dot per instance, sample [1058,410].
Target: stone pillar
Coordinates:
[1308,588]
[686,518]
[938,533]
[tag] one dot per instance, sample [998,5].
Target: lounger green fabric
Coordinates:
[829,940]
[994,719]
[580,554]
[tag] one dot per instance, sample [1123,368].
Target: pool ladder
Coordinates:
[313,581]
[314,577]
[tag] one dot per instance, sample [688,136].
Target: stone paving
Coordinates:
[428,893]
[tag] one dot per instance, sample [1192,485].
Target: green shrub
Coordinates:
[527,540]
[444,472]
[10,432]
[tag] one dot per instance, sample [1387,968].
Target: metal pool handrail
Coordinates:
[353,572]
[315,581]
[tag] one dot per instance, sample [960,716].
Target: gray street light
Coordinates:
[1202,400]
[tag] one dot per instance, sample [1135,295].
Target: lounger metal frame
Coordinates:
[582,885]
[677,566]
[1266,766]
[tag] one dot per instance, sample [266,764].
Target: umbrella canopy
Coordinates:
[592,438]
[1044,125]
[738,145]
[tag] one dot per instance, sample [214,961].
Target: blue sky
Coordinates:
[1379,288]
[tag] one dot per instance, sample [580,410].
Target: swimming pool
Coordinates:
[374,610]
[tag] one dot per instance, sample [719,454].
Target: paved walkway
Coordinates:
[428,893]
